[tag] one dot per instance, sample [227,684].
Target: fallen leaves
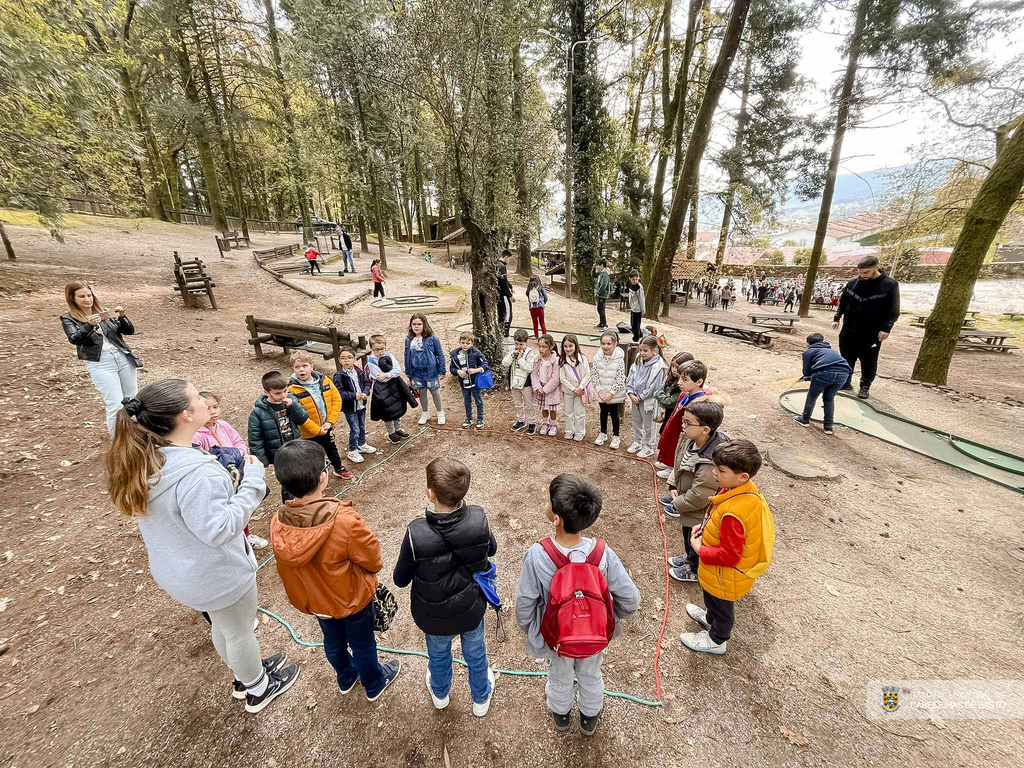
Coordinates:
[832,590]
[447,760]
[514,524]
[797,739]
[4,602]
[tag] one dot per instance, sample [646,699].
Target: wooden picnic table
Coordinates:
[989,341]
[969,322]
[759,337]
[778,322]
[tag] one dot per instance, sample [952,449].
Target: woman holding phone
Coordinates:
[97,333]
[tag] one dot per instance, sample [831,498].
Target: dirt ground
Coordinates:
[903,568]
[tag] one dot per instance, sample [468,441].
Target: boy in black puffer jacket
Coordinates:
[390,398]
[440,553]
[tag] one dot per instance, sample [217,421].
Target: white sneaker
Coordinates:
[355,457]
[601,439]
[440,417]
[256,542]
[665,474]
[643,453]
[659,465]
[702,643]
[615,443]
[365,448]
[438,703]
[633,447]
[579,437]
[698,614]
[552,429]
[481,709]
[543,429]
[424,417]
[570,435]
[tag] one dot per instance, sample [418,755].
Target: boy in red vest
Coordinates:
[735,545]
[312,254]
[573,506]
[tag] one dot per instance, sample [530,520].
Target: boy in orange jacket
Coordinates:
[328,560]
[735,544]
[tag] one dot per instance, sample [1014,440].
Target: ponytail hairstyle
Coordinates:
[139,432]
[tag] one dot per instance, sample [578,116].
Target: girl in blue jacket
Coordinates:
[425,365]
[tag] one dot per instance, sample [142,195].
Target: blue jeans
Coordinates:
[825,383]
[355,632]
[347,263]
[468,396]
[116,379]
[474,651]
[356,428]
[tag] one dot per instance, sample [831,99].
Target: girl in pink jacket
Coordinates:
[547,385]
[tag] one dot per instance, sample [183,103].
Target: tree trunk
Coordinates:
[153,177]
[373,179]
[735,171]
[997,195]
[234,170]
[691,233]
[7,243]
[688,177]
[361,223]
[842,118]
[421,198]
[525,263]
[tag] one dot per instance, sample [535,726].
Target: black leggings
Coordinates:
[378,289]
[314,263]
[613,409]
[326,441]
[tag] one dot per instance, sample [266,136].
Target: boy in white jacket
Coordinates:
[519,363]
[608,375]
[646,376]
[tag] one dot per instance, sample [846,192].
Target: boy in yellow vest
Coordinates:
[735,544]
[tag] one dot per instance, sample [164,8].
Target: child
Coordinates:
[322,402]
[424,360]
[546,385]
[440,553]
[519,362]
[576,389]
[378,276]
[353,384]
[216,435]
[692,481]
[327,559]
[466,362]
[735,545]
[538,298]
[609,378]
[637,304]
[646,376]
[390,398]
[691,387]
[312,254]
[667,398]
[827,371]
[378,349]
[277,418]
[573,506]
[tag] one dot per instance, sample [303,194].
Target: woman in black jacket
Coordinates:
[97,334]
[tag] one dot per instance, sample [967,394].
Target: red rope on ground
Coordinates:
[657,504]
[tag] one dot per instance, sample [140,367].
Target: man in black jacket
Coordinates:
[869,306]
[505,297]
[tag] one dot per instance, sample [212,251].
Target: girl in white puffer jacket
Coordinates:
[608,375]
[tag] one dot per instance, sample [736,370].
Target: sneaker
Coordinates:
[666,500]
[479,425]
[543,429]
[615,443]
[391,670]
[424,417]
[669,510]
[633,447]
[601,440]
[364,448]
[517,426]
[698,614]
[561,721]
[863,393]
[570,435]
[346,689]
[480,708]
[579,437]
[343,473]
[270,664]
[355,457]
[659,465]
[552,429]
[665,474]
[847,387]
[799,419]
[438,703]
[394,438]
[682,573]
[588,725]
[467,424]
[702,643]
[677,561]
[278,682]
[828,430]
[440,418]
[257,542]
[644,453]
[532,429]
[402,433]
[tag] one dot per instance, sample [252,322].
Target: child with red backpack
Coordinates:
[548,607]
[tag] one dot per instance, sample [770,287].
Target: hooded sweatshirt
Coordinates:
[326,556]
[193,529]
[646,378]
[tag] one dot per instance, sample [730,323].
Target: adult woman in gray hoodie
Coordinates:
[192,522]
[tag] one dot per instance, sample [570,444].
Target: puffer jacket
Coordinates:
[329,392]
[265,436]
[440,553]
[519,370]
[347,390]
[391,399]
[427,363]
[694,480]
[326,556]
[747,505]
[609,374]
[88,338]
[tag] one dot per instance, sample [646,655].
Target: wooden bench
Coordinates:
[228,240]
[280,252]
[759,337]
[191,279]
[1012,315]
[779,322]
[986,341]
[969,322]
[326,342]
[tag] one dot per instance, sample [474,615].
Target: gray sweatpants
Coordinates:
[588,675]
[644,431]
[235,640]
[575,414]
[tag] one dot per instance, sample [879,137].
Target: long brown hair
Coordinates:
[69,295]
[139,433]
[427,330]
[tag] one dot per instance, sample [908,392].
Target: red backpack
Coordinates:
[579,621]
